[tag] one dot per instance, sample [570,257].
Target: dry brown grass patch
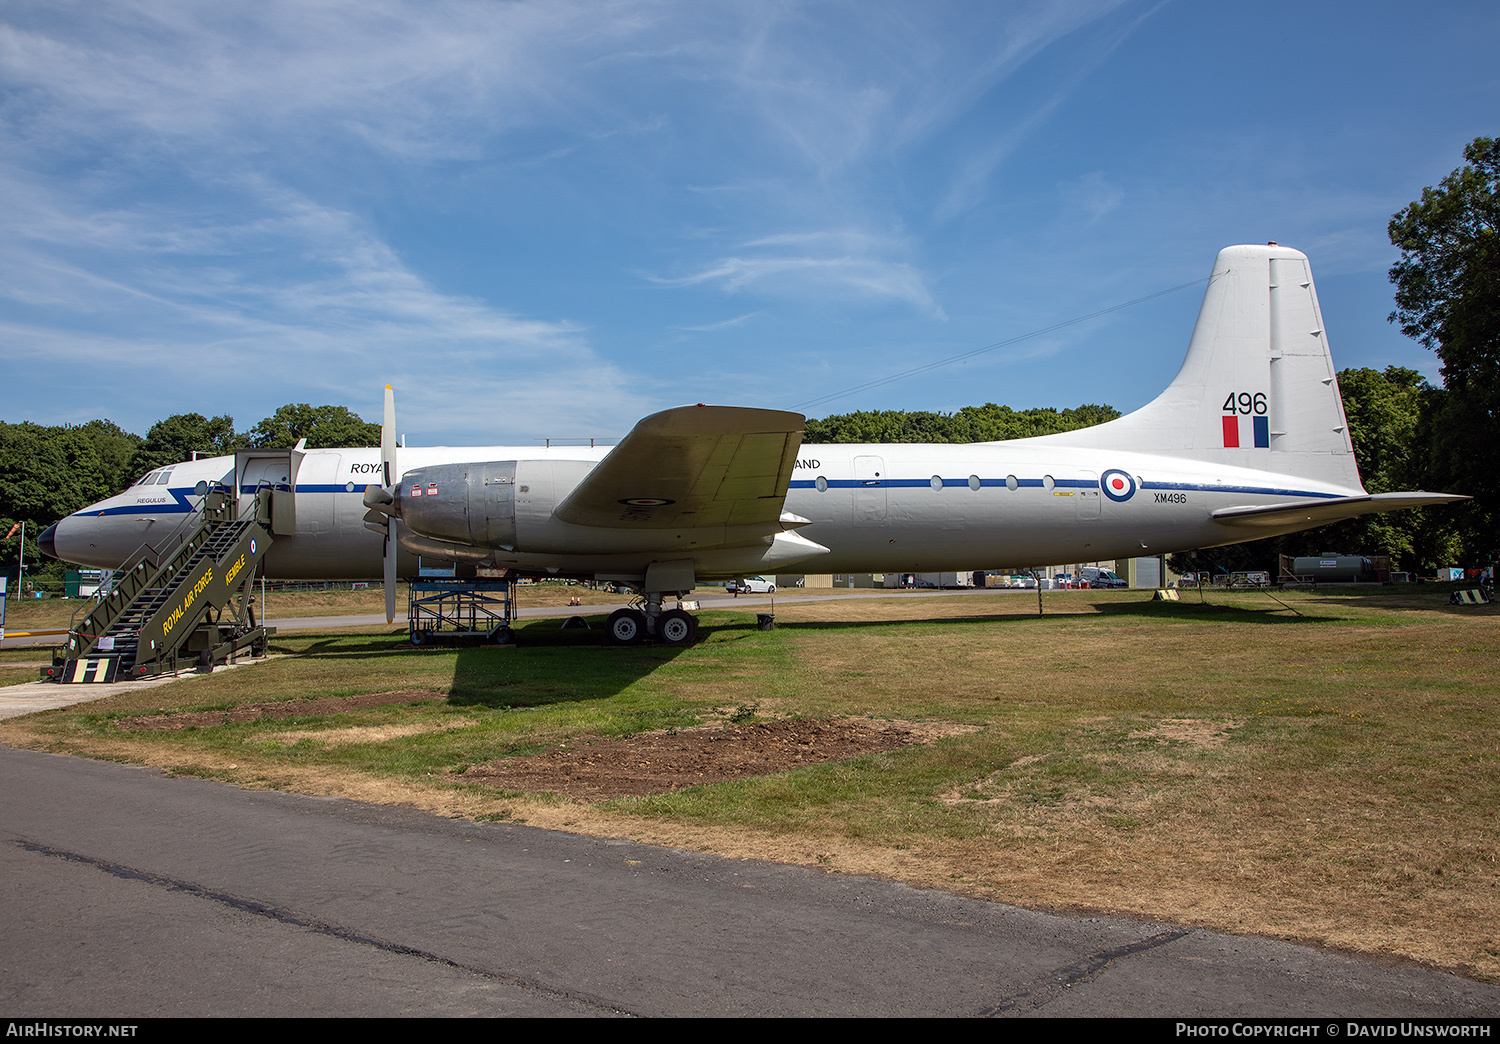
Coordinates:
[1192,731]
[362,733]
[658,762]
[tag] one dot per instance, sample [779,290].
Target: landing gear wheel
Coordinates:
[677,627]
[626,627]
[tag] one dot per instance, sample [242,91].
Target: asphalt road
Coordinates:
[130,894]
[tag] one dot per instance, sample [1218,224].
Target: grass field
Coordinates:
[1327,773]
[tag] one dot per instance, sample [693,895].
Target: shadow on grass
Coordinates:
[1426,598]
[545,664]
[1146,609]
[345,646]
[1191,609]
[877,625]
[551,664]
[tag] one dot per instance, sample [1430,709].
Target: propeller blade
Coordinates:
[388,437]
[390,575]
[378,499]
[388,461]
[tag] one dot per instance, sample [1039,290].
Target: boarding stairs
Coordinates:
[175,607]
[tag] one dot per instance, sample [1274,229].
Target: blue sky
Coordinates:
[550,219]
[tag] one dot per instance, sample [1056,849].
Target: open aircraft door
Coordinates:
[274,472]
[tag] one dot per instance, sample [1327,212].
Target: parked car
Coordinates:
[750,585]
[1101,578]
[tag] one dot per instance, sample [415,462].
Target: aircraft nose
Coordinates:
[48,541]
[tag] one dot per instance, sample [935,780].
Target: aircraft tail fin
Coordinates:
[1257,388]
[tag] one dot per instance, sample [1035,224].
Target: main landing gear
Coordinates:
[632,626]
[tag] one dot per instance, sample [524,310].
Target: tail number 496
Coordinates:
[1246,402]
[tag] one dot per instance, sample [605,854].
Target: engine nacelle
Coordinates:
[461,503]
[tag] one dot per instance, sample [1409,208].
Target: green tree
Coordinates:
[987,423]
[179,437]
[1387,413]
[49,472]
[1448,298]
[116,448]
[321,426]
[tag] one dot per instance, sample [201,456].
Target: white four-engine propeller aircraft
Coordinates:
[1248,441]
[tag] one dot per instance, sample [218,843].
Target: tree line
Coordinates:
[987,423]
[49,471]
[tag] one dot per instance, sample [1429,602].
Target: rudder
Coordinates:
[1257,388]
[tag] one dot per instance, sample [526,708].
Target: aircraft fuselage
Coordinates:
[878,508]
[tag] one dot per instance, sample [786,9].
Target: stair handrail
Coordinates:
[157,551]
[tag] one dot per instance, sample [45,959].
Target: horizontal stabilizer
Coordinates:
[695,467]
[1303,515]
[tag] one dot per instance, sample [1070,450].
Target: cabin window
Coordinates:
[974,483]
[937,482]
[1047,482]
[1011,482]
[821,484]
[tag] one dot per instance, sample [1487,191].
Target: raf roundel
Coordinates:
[1118,485]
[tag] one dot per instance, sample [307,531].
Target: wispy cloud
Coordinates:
[723,324]
[342,313]
[413,79]
[1092,195]
[844,263]
[1001,43]
[1050,24]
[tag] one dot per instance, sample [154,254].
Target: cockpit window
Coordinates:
[163,476]
[147,479]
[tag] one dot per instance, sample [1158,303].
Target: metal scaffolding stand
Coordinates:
[459,611]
